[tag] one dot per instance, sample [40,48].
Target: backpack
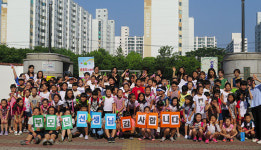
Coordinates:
[97,100]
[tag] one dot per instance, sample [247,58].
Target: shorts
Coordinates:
[54,132]
[225,113]
[106,112]
[27,114]
[41,133]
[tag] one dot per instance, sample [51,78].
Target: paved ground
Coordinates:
[13,142]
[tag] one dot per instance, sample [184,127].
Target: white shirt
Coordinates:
[225,96]
[200,103]
[243,107]
[81,89]
[62,94]
[44,95]
[27,105]
[108,104]
[76,93]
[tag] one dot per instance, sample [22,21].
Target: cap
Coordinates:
[20,78]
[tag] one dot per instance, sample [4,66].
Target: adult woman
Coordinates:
[30,73]
[116,77]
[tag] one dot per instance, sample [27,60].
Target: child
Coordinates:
[4,112]
[37,134]
[200,101]
[120,107]
[248,127]
[228,130]
[80,87]
[213,130]
[18,115]
[207,85]
[11,101]
[98,133]
[50,135]
[173,92]
[94,102]
[45,94]
[233,81]
[174,107]
[63,91]
[188,113]
[34,99]
[53,91]
[212,109]
[145,132]
[69,100]
[137,89]
[57,104]
[130,133]
[84,129]
[61,136]
[149,97]
[27,112]
[231,104]
[197,127]
[132,103]
[183,94]
[224,96]
[142,103]
[109,107]
[242,106]
[44,107]
[75,89]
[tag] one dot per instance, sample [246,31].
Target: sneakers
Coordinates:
[118,133]
[232,140]
[109,140]
[45,142]
[186,137]
[6,132]
[172,139]
[207,141]
[2,133]
[86,137]
[15,133]
[81,136]
[254,140]
[131,138]
[20,133]
[258,142]
[36,140]
[195,139]
[51,142]
[69,137]
[163,139]
[113,140]
[215,140]
[60,137]
[199,139]
[225,139]
[25,142]
[141,138]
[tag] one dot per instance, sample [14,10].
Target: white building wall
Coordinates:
[204,42]
[235,46]
[18,23]
[164,24]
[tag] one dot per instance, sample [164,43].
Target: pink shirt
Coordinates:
[119,103]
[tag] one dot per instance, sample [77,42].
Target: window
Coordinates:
[180,11]
[180,3]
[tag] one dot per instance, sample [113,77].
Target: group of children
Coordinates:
[210,107]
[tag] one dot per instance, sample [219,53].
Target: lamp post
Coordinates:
[50,26]
[243,25]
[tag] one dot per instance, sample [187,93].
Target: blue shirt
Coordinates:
[256,93]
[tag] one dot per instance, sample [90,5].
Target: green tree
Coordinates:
[165,51]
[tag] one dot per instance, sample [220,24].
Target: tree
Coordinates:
[165,51]
[119,51]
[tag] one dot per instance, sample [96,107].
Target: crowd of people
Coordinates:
[211,107]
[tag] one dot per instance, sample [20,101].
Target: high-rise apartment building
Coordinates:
[167,22]
[205,42]
[235,46]
[258,32]
[103,31]
[28,25]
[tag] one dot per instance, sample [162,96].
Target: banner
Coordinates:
[152,121]
[67,122]
[82,116]
[141,120]
[51,121]
[96,120]
[209,62]
[86,64]
[48,66]
[38,122]
[110,121]
[170,119]
[126,123]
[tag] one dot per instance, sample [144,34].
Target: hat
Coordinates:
[160,89]
[20,78]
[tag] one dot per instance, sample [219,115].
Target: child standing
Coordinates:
[132,103]
[188,113]
[4,112]
[45,94]
[242,106]
[34,99]
[200,101]
[231,104]
[224,96]
[142,103]
[120,107]
[27,112]
[137,89]
[18,115]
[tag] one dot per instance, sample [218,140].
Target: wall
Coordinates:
[7,78]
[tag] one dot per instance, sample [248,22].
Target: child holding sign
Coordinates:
[35,134]
[146,131]
[67,123]
[50,135]
[83,119]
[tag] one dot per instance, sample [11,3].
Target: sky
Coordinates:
[217,18]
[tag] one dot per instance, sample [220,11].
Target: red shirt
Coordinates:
[137,90]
